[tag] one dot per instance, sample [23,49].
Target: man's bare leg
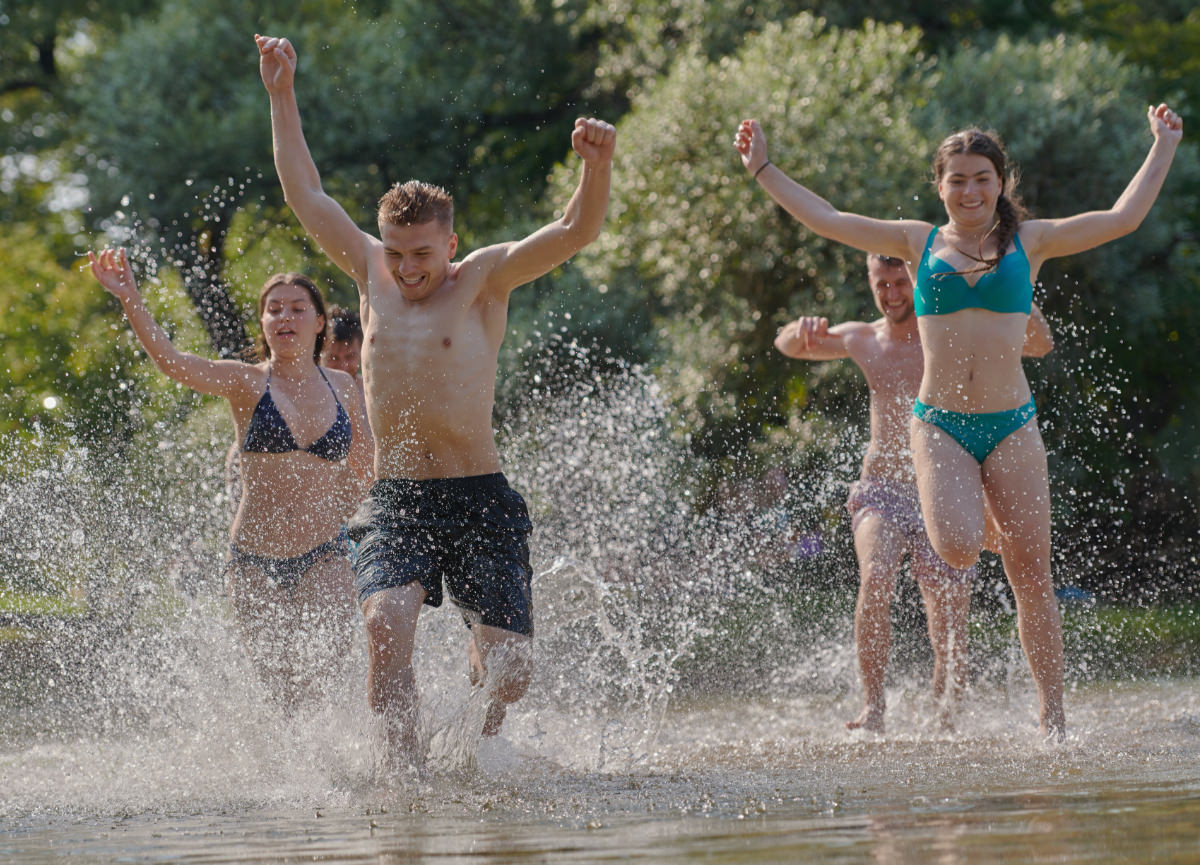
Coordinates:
[510,657]
[947,606]
[391,619]
[880,547]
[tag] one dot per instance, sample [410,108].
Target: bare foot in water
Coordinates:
[1054,727]
[870,719]
[399,753]
[496,709]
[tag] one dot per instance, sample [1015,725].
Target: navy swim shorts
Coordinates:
[469,535]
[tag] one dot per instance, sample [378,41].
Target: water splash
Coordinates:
[658,585]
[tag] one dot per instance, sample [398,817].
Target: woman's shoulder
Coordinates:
[251,377]
[340,380]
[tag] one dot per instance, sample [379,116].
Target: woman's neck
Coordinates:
[974,235]
[292,368]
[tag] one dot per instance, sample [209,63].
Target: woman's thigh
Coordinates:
[1017,484]
[950,485]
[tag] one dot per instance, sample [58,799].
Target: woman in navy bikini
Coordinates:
[290,583]
[974,433]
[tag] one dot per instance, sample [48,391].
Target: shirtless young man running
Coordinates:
[440,510]
[883,504]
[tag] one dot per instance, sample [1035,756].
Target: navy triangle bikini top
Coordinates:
[269,432]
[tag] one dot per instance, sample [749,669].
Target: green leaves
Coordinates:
[722,266]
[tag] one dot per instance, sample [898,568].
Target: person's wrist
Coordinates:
[761,168]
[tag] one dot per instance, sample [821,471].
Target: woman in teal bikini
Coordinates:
[289,580]
[974,433]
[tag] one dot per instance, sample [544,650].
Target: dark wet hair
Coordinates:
[415,203]
[885,260]
[314,294]
[344,324]
[1010,212]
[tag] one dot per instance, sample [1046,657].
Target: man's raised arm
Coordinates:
[322,217]
[551,245]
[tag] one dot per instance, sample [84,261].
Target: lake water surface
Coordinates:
[726,780]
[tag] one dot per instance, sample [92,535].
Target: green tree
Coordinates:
[1163,36]
[632,43]
[477,99]
[719,266]
[71,366]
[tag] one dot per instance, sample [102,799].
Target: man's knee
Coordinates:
[378,622]
[390,617]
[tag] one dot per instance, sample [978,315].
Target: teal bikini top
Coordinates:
[1004,288]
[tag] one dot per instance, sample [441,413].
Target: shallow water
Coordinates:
[684,705]
[727,780]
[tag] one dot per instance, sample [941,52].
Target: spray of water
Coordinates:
[657,581]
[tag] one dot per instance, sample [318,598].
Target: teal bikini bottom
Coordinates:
[978,433]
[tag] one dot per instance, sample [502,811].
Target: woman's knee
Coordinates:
[956,530]
[958,548]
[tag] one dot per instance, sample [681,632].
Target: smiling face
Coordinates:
[418,256]
[969,187]
[892,288]
[292,324]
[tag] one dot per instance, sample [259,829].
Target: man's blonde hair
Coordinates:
[415,203]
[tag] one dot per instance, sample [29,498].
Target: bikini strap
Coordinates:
[330,385]
[929,241]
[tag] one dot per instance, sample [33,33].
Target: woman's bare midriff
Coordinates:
[973,361]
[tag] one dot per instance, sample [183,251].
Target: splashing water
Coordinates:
[681,664]
[140,697]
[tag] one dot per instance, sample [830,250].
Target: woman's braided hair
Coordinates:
[1010,212]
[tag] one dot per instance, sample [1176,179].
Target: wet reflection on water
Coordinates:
[729,781]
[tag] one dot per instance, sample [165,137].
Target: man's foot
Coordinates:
[399,761]
[494,718]
[945,719]
[870,719]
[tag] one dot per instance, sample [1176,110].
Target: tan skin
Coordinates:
[972,364]
[290,502]
[433,329]
[888,351]
[345,355]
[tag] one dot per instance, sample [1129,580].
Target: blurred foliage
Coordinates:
[632,43]
[73,368]
[1161,35]
[721,266]
[144,121]
[857,114]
